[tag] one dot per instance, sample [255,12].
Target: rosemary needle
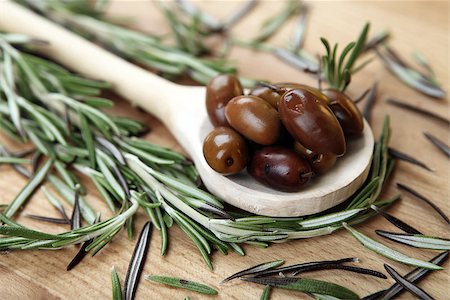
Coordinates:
[184,284]
[438,143]
[418,110]
[424,199]
[137,262]
[255,269]
[408,158]
[415,290]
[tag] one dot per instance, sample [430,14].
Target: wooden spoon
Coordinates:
[182,110]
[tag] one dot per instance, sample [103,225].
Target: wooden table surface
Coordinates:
[421,26]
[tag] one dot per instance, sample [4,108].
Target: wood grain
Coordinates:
[419,26]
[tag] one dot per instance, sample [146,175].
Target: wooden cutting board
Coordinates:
[421,26]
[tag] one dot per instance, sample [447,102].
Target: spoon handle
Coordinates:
[139,86]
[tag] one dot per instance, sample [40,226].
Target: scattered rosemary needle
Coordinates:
[116,288]
[418,110]
[271,25]
[48,219]
[184,284]
[81,254]
[381,249]
[239,13]
[412,288]
[137,262]
[417,240]
[305,285]
[255,269]
[419,196]
[396,222]
[444,148]
[341,267]
[408,158]
[414,276]
[29,189]
[266,293]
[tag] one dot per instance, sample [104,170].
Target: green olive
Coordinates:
[320,163]
[310,121]
[219,91]
[346,112]
[254,118]
[225,151]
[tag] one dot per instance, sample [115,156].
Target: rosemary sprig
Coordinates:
[338,72]
[184,284]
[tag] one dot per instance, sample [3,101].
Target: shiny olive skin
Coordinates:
[269,95]
[311,122]
[320,163]
[290,86]
[225,150]
[280,168]
[219,91]
[254,118]
[346,112]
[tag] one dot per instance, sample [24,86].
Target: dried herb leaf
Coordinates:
[415,276]
[418,110]
[305,285]
[341,267]
[396,222]
[48,219]
[417,240]
[255,269]
[184,284]
[381,249]
[81,254]
[424,199]
[413,289]
[444,148]
[137,262]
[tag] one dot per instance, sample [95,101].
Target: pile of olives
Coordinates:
[283,133]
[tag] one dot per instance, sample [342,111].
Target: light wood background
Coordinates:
[422,26]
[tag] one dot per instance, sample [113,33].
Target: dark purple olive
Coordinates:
[271,96]
[219,91]
[254,118]
[279,168]
[346,112]
[320,163]
[311,122]
[225,151]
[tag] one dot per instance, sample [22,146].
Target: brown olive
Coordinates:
[311,122]
[320,163]
[271,96]
[254,118]
[219,91]
[346,112]
[225,150]
[280,168]
[315,91]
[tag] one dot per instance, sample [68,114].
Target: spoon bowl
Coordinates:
[182,109]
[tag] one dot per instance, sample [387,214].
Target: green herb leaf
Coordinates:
[381,249]
[116,288]
[184,284]
[417,240]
